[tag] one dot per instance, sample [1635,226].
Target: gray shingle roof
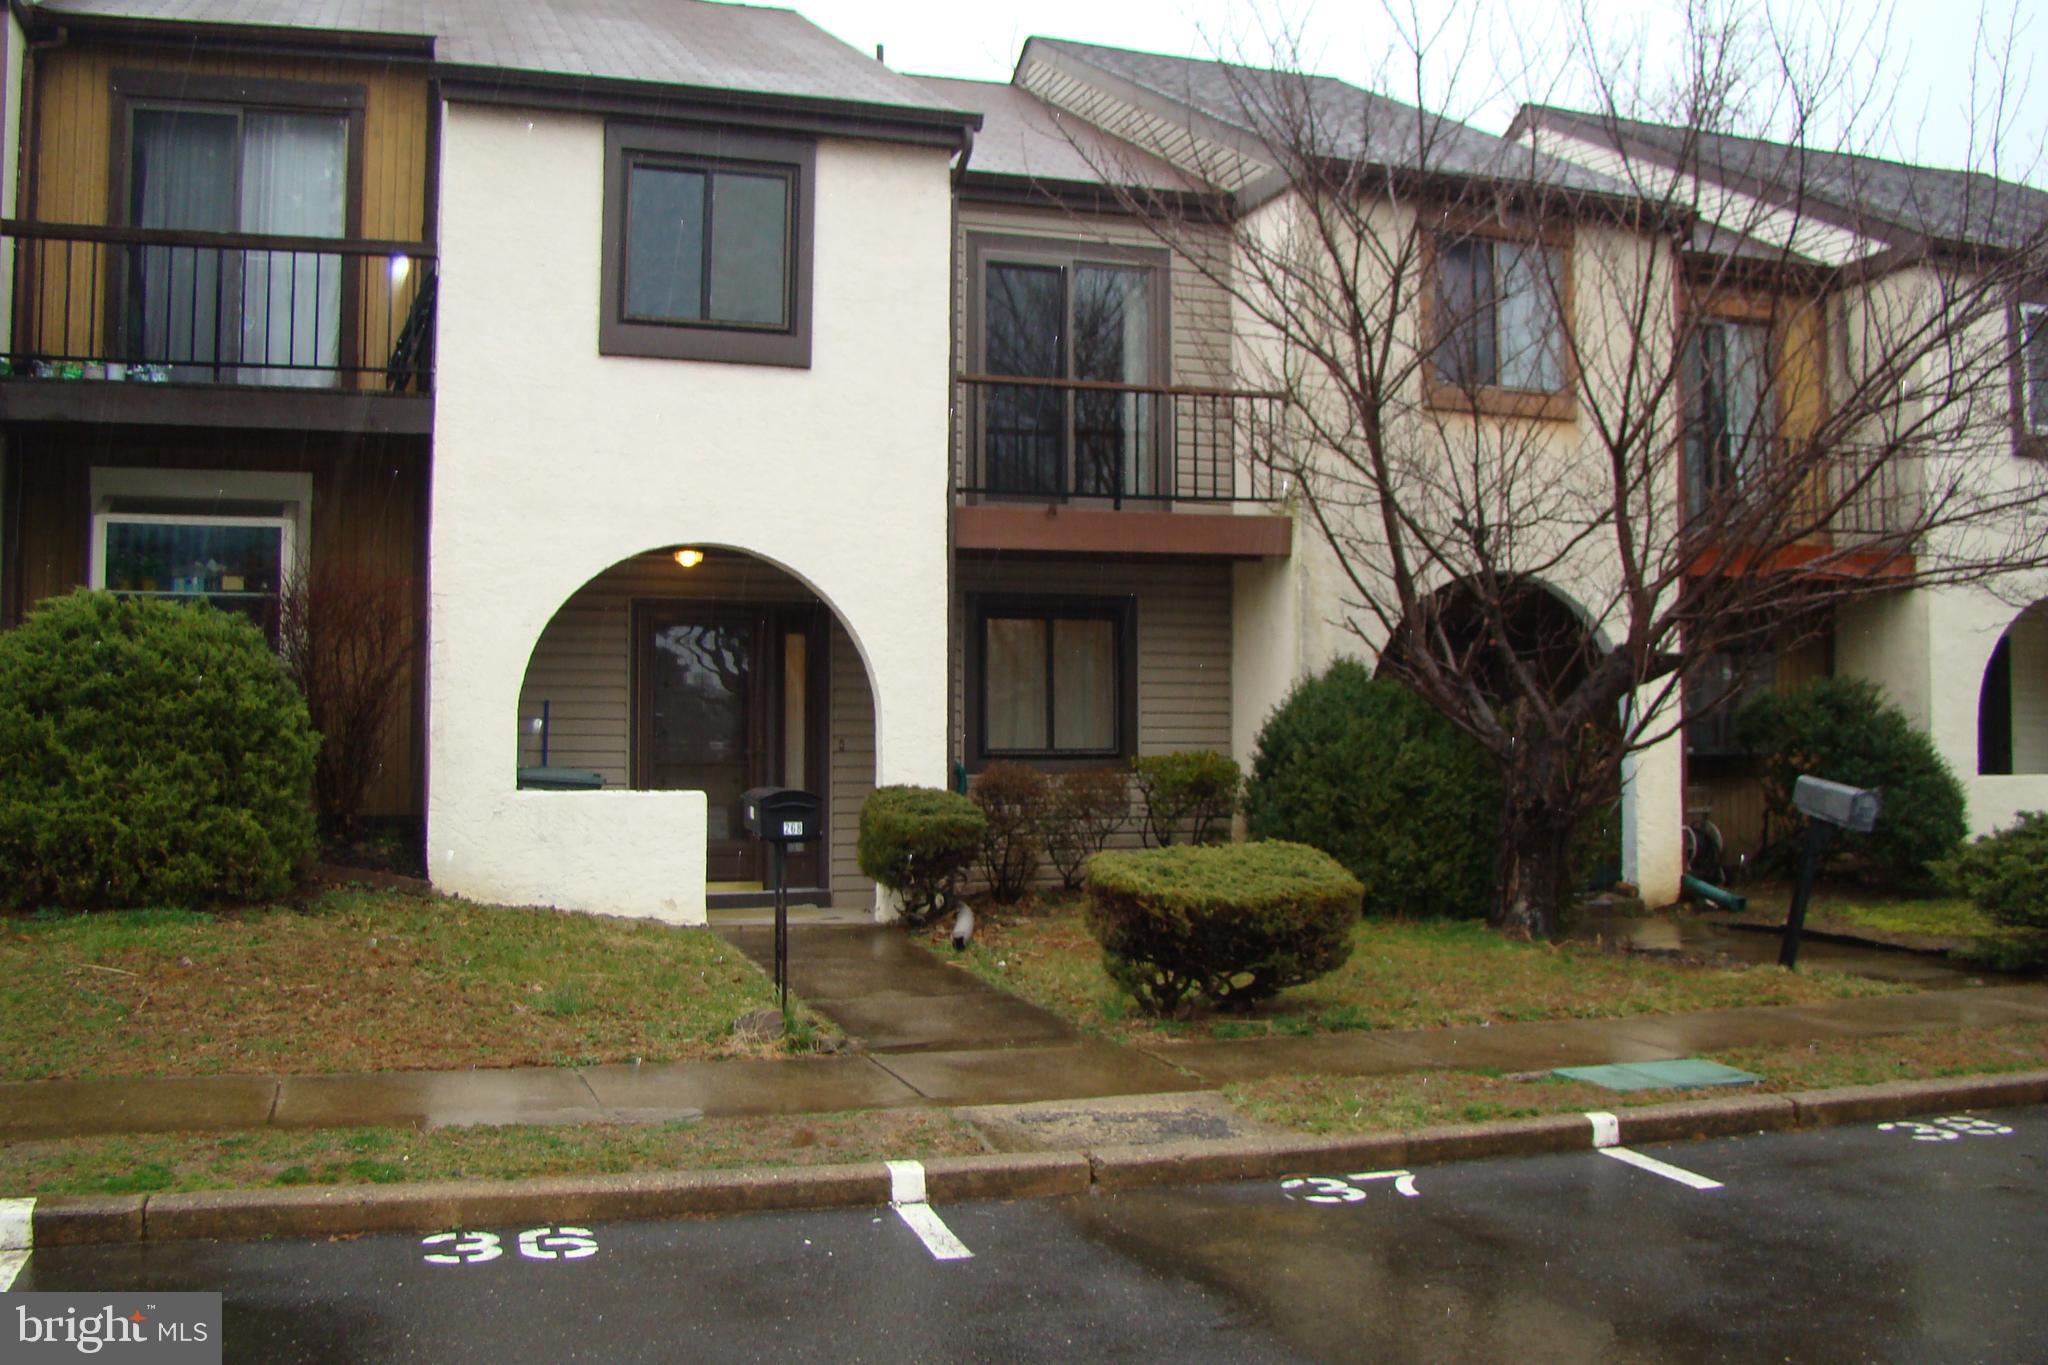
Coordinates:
[1881,198]
[1023,136]
[689,43]
[1348,122]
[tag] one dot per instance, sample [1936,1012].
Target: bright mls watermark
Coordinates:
[171,1329]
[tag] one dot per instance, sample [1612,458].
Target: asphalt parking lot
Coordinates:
[1916,1240]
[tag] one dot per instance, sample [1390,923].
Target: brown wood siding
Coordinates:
[73,146]
[1736,798]
[582,668]
[369,501]
[1199,354]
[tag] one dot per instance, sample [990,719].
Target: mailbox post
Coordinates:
[782,816]
[1829,806]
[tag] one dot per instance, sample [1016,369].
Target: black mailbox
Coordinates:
[782,815]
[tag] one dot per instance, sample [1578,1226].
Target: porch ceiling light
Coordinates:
[689,559]
[401,266]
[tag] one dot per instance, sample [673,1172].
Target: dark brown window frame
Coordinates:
[1498,400]
[133,88]
[2028,440]
[1121,611]
[629,144]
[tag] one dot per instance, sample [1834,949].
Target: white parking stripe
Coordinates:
[17,1234]
[906,1196]
[1663,1168]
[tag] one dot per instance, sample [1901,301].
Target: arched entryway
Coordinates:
[706,668]
[2012,700]
[1540,627]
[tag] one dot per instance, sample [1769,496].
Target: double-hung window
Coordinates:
[1053,678]
[1082,330]
[1498,309]
[706,246]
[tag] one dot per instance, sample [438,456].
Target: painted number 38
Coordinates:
[535,1244]
[1946,1129]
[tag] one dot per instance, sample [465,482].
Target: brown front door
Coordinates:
[727,699]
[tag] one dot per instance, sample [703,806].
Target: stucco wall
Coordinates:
[552,463]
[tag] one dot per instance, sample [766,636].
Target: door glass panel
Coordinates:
[294,184]
[699,696]
[1014,684]
[796,651]
[1022,426]
[1112,344]
[184,166]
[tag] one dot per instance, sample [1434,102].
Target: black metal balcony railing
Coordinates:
[1866,486]
[153,304]
[1070,438]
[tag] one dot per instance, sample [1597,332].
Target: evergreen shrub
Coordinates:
[1189,795]
[1230,924]
[152,753]
[916,841]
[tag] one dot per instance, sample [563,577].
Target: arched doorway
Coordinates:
[2012,700]
[705,668]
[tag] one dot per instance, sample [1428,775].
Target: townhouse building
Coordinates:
[736,410]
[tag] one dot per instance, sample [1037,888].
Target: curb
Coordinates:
[73,1220]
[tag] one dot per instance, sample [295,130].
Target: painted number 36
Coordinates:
[1946,1129]
[535,1244]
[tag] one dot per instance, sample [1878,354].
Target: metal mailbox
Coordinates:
[782,815]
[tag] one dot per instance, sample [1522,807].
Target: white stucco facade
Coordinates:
[553,462]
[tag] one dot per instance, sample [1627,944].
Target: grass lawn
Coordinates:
[1912,921]
[383,1156]
[1402,974]
[359,980]
[1336,1104]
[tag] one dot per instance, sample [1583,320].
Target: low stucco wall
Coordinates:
[563,849]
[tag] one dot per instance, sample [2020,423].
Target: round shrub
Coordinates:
[916,841]
[1366,771]
[1230,924]
[2005,873]
[151,753]
[1187,794]
[1843,729]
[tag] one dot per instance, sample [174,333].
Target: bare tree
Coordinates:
[1705,389]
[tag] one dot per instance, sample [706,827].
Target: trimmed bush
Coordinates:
[916,841]
[1230,925]
[1844,730]
[2005,873]
[1013,798]
[1187,793]
[151,753]
[1367,772]
[1083,808]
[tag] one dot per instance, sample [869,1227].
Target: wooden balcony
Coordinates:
[150,325]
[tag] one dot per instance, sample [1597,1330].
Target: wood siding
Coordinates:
[582,668]
[1729,789]
[72,149]
[369,509]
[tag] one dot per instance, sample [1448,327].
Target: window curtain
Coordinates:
[1464,313]
[183,174]
[1113,344]
[294,183]
[1531,336]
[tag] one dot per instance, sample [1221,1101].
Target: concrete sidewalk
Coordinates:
[1022,1062]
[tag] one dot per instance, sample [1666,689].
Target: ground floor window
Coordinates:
[1053,678]
[230,538]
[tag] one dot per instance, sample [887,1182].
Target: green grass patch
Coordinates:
[148,1164]
[1345,1105]
[360,980]
[1401,974]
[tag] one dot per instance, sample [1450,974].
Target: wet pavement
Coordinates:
[1907,1240]
[1713,941]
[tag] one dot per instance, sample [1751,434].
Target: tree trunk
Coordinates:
[1532,862]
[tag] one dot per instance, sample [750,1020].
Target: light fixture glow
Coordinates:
[689,559]
[401,266]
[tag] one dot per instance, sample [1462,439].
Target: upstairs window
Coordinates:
[706,246]
[2034,367]
[1729,416]
[1498,311]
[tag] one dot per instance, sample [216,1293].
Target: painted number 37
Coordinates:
[1946,1129]
[535,1244]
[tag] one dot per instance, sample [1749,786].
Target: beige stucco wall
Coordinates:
[552,463]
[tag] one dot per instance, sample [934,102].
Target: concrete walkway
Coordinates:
[934,1036]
